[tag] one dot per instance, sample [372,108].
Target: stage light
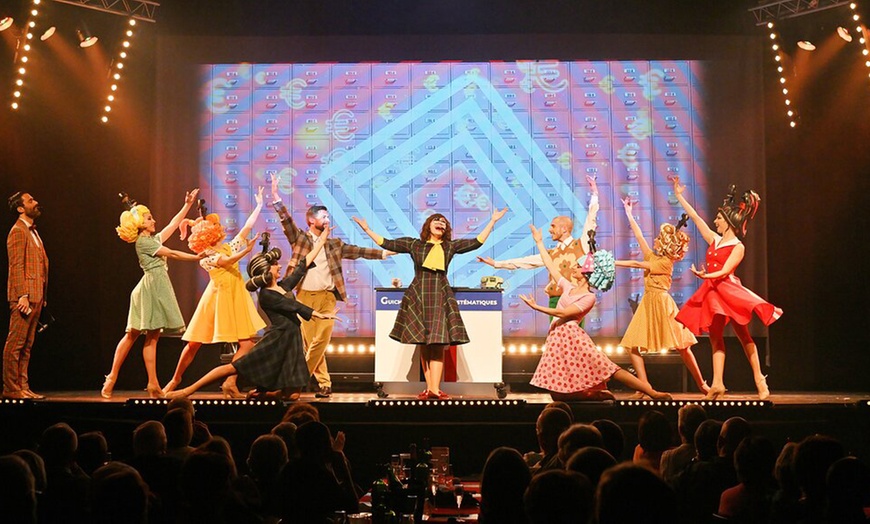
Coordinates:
[132,22]
[14,105]
[85,38]
[806,45]
[17,94]
[844,34]
[114,87]
[770,25]
[116,76]
[773,36]
[865,52]
[122,54]
[27,47]
[21,70]
[782,80]
[19,82]
[24,59]
[31,24]
[6,23]
[784,90]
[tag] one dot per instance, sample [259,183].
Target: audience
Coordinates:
[93,451]
[633,494]
[592,462]
[576,437]
[18,496]
[613,437]
[549,426]
[503,482]
[654,437]
[675,460]
[749,501]
[178,424]
[66,492]
[118,495]
[558,497]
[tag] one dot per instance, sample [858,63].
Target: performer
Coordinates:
[653,326]
[323,285]
[26,291]
[721,297]
[572,368]
[429,314]
[276,364]
[567,251]
[226,312]
[153,307]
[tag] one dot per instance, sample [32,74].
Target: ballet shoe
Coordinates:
[715,393]
[170,386]
[658,395]
[763,390]
[108,387]
[154,391]
[231,391]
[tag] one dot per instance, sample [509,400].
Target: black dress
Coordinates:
[277,361]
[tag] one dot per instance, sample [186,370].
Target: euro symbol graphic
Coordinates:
[292,93]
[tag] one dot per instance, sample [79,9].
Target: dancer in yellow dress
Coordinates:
[654,327]
[226,312]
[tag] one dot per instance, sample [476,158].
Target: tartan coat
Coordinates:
[429,313]
[335,248]
[28,265]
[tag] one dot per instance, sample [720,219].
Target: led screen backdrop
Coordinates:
[395,142]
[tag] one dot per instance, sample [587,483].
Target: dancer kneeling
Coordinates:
[572,368]
[276,364]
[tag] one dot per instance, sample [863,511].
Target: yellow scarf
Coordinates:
[435,258]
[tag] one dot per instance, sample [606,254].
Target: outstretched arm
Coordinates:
[178,255]
[591,221]
[545,255]
[315,249]
[291,231]
[628,206]
[364,225]
[706,232]
[496,216]
[728,267]
[570,311]
[252,219]
[632,263]
[224,262]
[189,199]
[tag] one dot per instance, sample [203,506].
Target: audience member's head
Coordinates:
[654,432]
[179,428]
[783,471]
[149,438]
[612,435]
[18,495]
[36,465]
[220,445]
[812,459]
[184,403]
[120,495]
[689,418]
[205,479]
[58,446]
[733,431]
[551,423]
[503,482]
[754,461]
[578,436]
[267,456]
[558,496]
[630,494]
[301,412]
[201,433]
[707,439]
[287,432]
[564,406]
[93,451]
[848,487]
[592,462]
[315,442]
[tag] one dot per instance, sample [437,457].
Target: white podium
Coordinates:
[478,363]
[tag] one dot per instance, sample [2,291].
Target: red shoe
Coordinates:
[425,395]
[442,395]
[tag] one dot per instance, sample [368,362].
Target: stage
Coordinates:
[471,426]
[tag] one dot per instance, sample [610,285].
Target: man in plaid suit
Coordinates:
[26,289]
[322,286]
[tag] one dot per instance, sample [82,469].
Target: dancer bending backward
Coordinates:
[153,307]
[429,315]
[276,364]
[721,297]
[226,312]
[653,326]
[572,367]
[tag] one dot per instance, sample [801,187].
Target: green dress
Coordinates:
[152,303]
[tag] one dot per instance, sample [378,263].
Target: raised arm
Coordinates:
[291,231]
[728,267]
[364,225]
[628,206]
[252,219]
[496,216]
[189,199]
[224,262]
[545,255]
[706,232]
[591,221]
[318,245]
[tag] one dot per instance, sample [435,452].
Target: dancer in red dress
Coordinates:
[721,297]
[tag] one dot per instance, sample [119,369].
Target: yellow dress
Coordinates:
[226,312]
[654,326]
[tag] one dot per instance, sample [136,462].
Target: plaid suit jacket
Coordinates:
[28,265]
[336,249]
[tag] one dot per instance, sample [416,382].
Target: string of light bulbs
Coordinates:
[776,47]
[23,56]
[117,68]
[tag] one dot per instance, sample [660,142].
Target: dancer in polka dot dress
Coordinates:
[571,367]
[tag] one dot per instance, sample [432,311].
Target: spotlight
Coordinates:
[6,23]
[844,34]
[86,39]
[48,33]
[806,45]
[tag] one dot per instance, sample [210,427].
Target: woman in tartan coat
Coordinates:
[429,315]
[276,364]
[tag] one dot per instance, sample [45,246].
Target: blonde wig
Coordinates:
[132,222]
[673,243]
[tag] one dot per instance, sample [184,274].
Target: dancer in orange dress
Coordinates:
[654,327]
[721,297]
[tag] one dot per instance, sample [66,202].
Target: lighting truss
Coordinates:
[790,9]
[139,9]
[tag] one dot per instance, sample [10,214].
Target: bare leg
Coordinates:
[149,355]
[187,355]
[121,352]
[424,362]
[212,376]
[751,352]
[631,381]
[436,366]
[229,384]
[717,342]
[639,367]
[692,365]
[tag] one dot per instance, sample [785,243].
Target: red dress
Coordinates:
[724,296]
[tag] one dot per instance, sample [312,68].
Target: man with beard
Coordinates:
[26,290]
